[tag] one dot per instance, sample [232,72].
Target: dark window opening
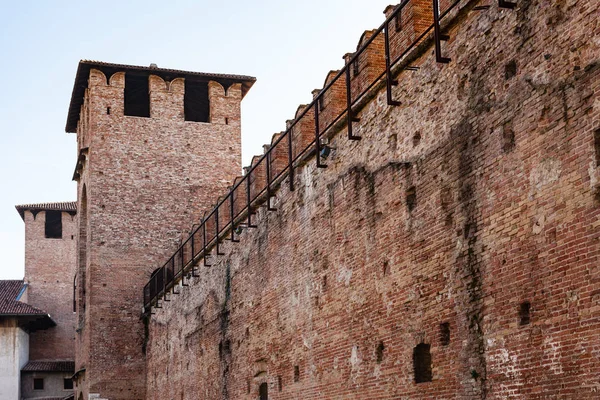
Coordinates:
[196,105]
[386,268]
[525,313]
[137,96]
[445,334]
[279,383]
[379,352]
[422,363]
[416,139]
[107,110]
[226,121]
[38,384]
[597,146]
[263,391]
[296,373]
[53,224]
[68,384]
[508,139]
[411,198]
[510,70]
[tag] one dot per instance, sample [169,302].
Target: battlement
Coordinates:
[157,93]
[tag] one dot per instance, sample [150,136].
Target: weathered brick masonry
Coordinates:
[49,271]
[466,219]
[141,181]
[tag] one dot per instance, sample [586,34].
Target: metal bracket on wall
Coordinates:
[249,201]
[232,216]
[437,34]
[349,113]
[318,138]
[217,232]
[206,264]
[269,193]
[388,70]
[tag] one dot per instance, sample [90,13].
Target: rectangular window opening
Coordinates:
[196,104]
[445,334]
[137,96]
[422,363]
[67,384]
[38,384]
[379,352]
[53,225]
[296,373]
[525,313]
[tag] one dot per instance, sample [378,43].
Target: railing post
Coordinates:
[290,160]
[249,200]
[268,169]
[217,232]
[349,114]
[232,216]
[318,135]
[388,69]
[206,264]
[437,34]
[174,274]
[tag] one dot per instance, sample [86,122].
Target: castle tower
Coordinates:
[50,265]
[155,145]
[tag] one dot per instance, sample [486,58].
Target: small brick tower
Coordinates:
[155,145]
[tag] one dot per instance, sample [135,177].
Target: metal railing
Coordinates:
[378,55]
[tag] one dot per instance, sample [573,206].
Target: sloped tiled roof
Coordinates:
[49,366]
[68,206]
[9,303]
[10,289]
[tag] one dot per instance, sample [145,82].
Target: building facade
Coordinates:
[428,227]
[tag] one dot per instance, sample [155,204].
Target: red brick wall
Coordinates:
[146,180]
[49,271]
[501,158]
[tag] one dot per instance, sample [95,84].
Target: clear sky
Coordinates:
[288,45]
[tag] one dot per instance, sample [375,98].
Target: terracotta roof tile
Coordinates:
[49,366]
[9,303]
[68,206]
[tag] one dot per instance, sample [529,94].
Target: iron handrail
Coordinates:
[152,293]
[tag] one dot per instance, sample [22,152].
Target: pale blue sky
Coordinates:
[288,45]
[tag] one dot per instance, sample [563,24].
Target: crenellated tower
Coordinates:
[154,146]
